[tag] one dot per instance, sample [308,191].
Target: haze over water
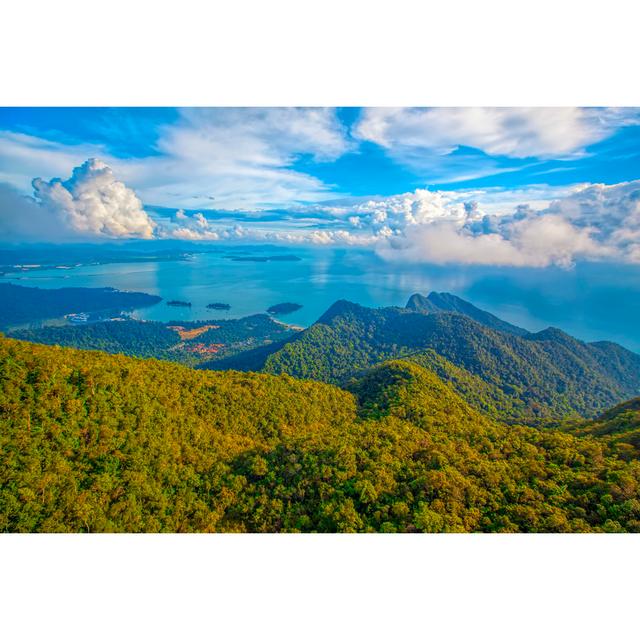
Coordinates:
[590,301]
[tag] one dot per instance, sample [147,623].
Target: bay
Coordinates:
[592,301]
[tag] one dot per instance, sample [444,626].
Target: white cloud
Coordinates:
[222,158]
[536,242]
[240,157]
[532,226]
[21,218]
[516,132]
[593,222]
[588,222]
[93,203]
[608,208]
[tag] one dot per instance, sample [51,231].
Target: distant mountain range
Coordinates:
[498,367]
[501,369]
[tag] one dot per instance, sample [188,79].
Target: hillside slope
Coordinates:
[97,442]
[539,376]
[619,428]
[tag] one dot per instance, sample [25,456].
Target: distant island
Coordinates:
[23,305]
[26,260]
[284,308]
[284,258]
[178,303]
[219,306]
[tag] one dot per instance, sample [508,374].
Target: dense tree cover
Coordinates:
[439,302]
[144,339]
[536,377]
[157,340]
[532,378]
[20,305]
[618,427]
[488,398]
[98,442]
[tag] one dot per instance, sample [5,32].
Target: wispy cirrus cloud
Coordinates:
[228,158]
[454,145]
[515,132]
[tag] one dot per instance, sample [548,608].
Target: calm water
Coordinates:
[591,301]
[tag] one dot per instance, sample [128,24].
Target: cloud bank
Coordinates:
[548,227]
[593,222]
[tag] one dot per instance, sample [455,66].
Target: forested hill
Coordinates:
[185,342]
[533,377]
[97,442]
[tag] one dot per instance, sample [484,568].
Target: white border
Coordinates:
[319,586]
[334,52]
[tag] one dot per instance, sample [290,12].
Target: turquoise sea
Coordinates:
[589,301]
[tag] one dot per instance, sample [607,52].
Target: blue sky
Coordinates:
[365,169]
[488,183]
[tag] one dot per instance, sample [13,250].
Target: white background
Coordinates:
[319,53]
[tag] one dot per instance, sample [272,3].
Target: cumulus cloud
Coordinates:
[516,132]
[197,227]
[92,202]
[187,227]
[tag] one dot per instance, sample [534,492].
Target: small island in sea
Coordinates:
[219,306]
[284,308]
[178,303]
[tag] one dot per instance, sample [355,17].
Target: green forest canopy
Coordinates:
[97,442]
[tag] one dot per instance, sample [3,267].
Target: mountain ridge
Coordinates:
[541,375]
[447,302]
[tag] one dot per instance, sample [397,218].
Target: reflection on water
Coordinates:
[591,301]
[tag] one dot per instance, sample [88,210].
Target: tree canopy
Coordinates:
[97,442]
